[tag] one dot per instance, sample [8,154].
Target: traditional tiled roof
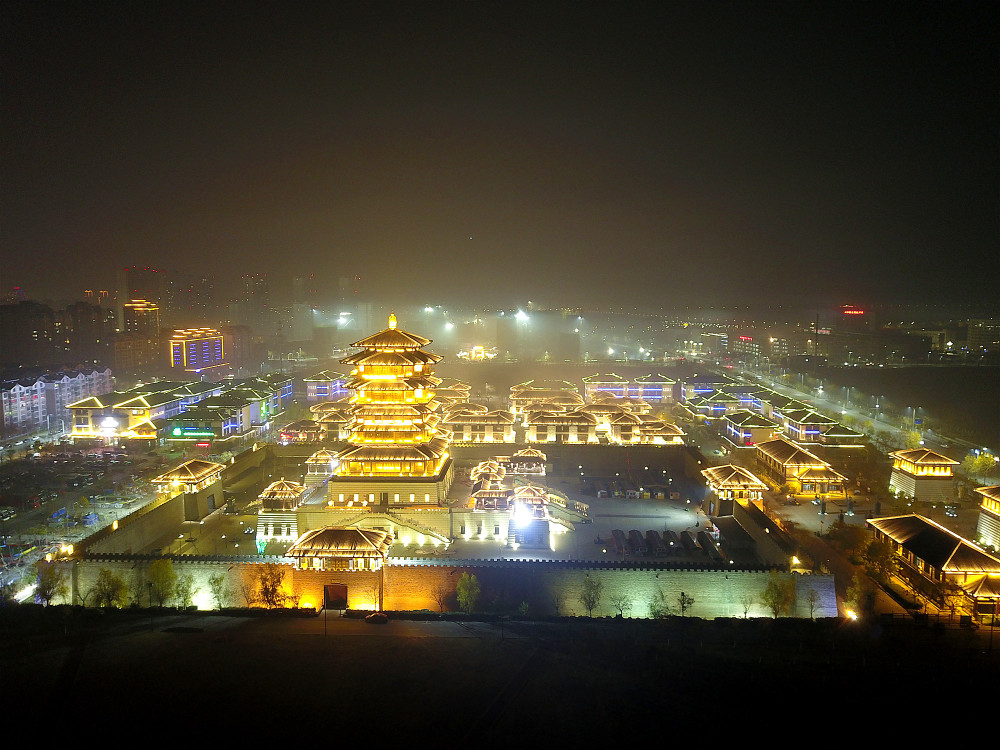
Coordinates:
[392,338]
[923,457]
[321,456]
[993,493]
[91,402]
[820,474]
[610,378]
[281,490]
[987,587]
[530,453]
[388,358]
[839,430]
[192,470]
[549,417]
[658,379]
[788,454]
[931,542]
[731,475]
[325,376]
[342,542]
[601,409]
[744,418]
[808,416]
[546,385]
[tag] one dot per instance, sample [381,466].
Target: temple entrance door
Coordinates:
[335,596]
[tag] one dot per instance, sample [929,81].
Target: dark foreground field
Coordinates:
[570,682]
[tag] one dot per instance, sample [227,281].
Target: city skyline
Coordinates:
[822,154]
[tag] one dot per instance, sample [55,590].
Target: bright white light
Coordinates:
[521,315]
[522,515]
[428,309]
[610,351]
[448,326]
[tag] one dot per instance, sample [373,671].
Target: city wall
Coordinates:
[547,588]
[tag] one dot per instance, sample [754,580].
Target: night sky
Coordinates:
[499,152]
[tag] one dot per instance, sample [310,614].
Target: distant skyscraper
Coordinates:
[189,300]
[139,283]
[304,294]
[254,305]
[89,332]
[28,333]
[141,317]
[137,345]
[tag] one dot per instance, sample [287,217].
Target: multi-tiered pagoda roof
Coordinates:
[394,416]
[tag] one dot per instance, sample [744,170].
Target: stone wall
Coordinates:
[139,529]
[548,588]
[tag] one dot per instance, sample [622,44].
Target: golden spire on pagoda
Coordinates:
[392,320]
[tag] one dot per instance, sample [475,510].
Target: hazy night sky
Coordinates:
[708,152]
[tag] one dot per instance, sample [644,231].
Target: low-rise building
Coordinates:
[988,526]
[732,483]
[473,425]
[922,474]
[929,551]
[786,463]
[560,427]
[326,385]
[745,428]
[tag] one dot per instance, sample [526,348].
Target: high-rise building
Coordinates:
[253,308]
[89,332]
[141,317]
[29,335]
[137,344]
[189,301]
[139,283]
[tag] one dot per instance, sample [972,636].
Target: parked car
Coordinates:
[377,618]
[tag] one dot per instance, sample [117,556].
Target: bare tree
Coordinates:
[248,590]
[441,595]
[558,600]
[622,603]
[812,599]
[590,596]
[684,601]
[746,602]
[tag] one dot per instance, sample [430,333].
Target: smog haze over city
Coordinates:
[489,153]
[523,374]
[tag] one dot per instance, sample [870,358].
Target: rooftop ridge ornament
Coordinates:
[392,320]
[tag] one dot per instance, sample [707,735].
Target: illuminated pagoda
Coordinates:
[398,454]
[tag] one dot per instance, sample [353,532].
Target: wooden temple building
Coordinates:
[398,455]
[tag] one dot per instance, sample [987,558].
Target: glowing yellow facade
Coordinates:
[394,419]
